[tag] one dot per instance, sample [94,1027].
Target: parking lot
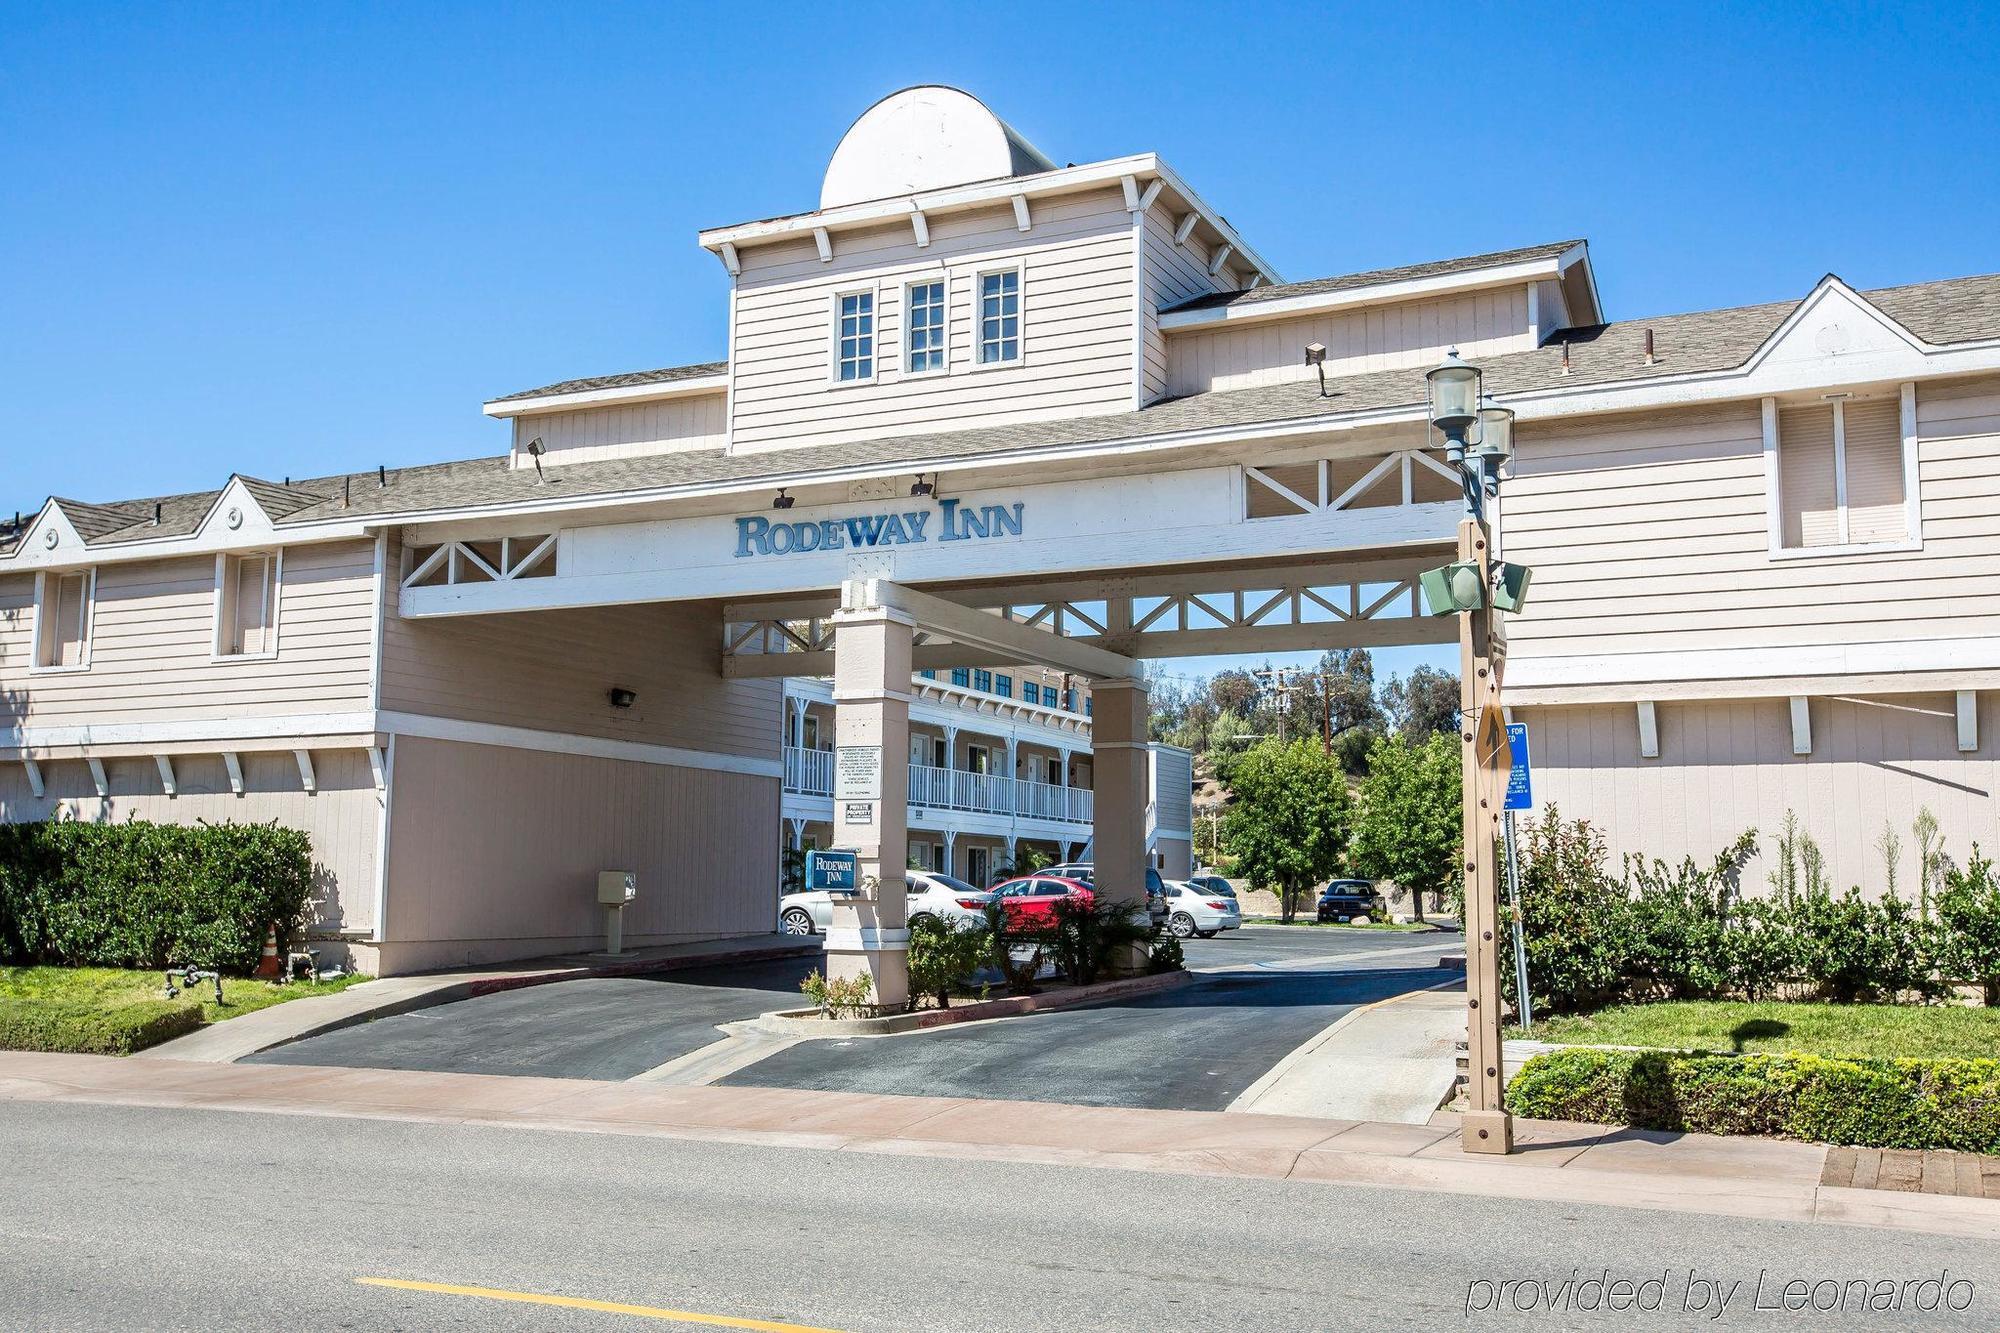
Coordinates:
[1259,993]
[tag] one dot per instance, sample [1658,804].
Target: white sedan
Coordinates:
[1192,910]
[952,901]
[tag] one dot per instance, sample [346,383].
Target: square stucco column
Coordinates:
[869,934]
[1120,725]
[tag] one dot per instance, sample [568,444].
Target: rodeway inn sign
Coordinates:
[757,535]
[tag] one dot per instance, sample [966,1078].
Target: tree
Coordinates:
[1291,818]
[1424,703]
[1410,827]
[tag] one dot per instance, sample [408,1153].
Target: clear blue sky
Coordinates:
[293,239]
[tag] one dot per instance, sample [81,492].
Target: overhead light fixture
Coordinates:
[622,697]
[783,501]
[922,487]
[1316,358]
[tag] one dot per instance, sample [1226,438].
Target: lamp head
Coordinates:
[1453,394]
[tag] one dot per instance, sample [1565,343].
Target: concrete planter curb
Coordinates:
[807,1023]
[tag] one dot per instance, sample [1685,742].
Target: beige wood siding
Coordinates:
[1076,313]
[496,851]
[675,425]
[341,819]
[1386,337]
[1172,273]
[552,670]
[1727,765]
[1650,532]
[153,639]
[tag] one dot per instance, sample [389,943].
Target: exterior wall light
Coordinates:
[621,697]
[783,501]
[922,488]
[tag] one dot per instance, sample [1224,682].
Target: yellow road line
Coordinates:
[580,1303]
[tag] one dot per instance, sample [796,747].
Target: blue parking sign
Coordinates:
[832,871]
[1519,795]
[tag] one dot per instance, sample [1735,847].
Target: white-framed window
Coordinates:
[1843,474]
[65,608]
[925,327]
[854,336]
[246,603]
[996,296]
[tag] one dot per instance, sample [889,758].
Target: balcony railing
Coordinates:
[810,772]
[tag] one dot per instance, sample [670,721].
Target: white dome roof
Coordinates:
[920,139]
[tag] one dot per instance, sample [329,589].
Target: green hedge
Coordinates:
[43,1025]
[149,895]
[1868,1103]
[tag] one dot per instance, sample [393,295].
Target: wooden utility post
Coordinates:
[1488,1128]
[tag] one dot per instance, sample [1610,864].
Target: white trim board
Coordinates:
[1746,664]
[522,738]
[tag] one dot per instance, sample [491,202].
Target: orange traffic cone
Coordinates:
[268,965]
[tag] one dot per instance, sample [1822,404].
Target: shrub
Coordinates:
[1003,936]
[1577,922]
[1969,911]
[149,895]
[1166,956]
[91,1029]
[1088,934]
[845,998]
[1868,1103]
[944,954]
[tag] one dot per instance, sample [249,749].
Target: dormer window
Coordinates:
[854,337]
[924,323]
[1000,317]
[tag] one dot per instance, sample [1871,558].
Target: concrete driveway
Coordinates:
[596,1027]
[1263,992]
[1193,1049]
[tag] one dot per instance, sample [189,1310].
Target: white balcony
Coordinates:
[810,773]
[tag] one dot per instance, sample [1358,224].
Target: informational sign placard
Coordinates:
[857,773]
[1520,795]
[832,871]
[857,812]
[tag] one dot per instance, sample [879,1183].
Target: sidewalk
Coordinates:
[1754,1178]
[295,1020]
[1388,1061]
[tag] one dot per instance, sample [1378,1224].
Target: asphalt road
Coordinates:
[598,1027]
[135,1218]
[1194,1049]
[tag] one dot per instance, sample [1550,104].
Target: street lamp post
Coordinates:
[1477,441]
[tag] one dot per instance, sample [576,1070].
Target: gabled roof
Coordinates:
[629,379]
[1957,311]
[1377,277]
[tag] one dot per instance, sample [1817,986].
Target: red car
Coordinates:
[1031,900]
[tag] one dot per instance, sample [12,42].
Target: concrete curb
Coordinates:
[804,1023]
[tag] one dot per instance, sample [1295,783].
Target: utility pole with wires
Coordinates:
[1282,682]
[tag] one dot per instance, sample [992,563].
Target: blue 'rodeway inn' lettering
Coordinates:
[757,535]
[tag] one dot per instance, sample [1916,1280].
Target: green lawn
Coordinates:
[108,986]
[1883,1030]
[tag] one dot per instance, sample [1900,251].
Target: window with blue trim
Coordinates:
[928,675]
[961,675]
[1004,686]
[983,681]
[1031,692]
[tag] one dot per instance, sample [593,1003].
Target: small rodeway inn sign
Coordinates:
[757,535]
